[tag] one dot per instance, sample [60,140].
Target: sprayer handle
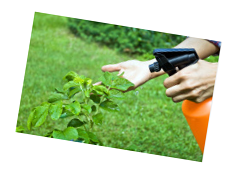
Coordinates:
[169,59]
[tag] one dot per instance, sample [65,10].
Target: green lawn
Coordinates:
[148,121]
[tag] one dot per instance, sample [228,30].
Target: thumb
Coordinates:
[111,68]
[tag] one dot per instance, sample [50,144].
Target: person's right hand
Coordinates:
[195,82]
[135,71]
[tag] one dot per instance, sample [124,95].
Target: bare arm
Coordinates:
[203,47]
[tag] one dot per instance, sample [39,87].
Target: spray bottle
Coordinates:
[196,114]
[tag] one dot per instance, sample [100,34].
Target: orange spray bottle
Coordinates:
[196,114]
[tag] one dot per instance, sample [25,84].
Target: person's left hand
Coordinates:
[135,71]
[195,82]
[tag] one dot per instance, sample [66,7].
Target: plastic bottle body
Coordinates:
[197,116]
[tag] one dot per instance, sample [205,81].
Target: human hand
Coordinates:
[135,71]
[194,83]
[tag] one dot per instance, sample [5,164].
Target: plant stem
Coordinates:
[91,126]
[84,97]
[102,99]
[85,128]
[86,100]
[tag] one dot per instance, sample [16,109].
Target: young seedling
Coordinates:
[82,102]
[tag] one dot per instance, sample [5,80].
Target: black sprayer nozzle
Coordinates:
[154,67]
[169,59]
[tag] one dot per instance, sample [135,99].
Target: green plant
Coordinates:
[83,102]
[124,39]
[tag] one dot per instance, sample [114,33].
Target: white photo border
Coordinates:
[112,156]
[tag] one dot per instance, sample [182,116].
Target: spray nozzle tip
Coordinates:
[154,67]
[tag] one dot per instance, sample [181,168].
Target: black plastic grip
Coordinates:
[169,59]
[183,59]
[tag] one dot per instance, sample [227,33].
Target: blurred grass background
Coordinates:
[148,121]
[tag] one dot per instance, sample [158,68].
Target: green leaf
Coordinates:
[121,84]
[56,97]
[75,123]
[30,119]
[59,91]
[70,76]
[66,114]
[95,98]
[49,134]
[74,91]
[40,115]
[83,134]
[74,107]
[87,82]
[87,108]
[69,133]
[100,89]
[20,129]
[87,93]
[70,84]
[106,79]
[98,118]
[94,108]
[121,74]
[109,106]
[55,110]
[92,137]
[79,79]
[116,94]
[46,104]
[115,76]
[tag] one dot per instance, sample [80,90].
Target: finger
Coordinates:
[172,80]
[189,95]
[180,98]
[111,68]
[177,99]
[175,91]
